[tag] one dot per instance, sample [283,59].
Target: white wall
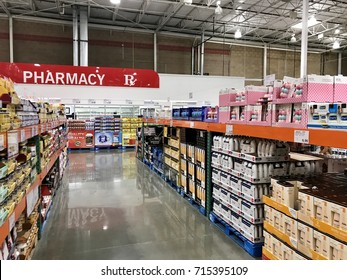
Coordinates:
[173,87]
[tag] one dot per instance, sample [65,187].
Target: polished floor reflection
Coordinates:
[111,206]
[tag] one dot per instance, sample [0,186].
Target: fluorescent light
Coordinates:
[320,36]
[188,2]
[311,22]
[336,45]
[337,31]
[238,34]
[115,2]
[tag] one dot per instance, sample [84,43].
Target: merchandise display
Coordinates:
[32,146]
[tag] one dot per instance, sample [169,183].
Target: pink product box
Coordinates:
[314,88]
[254,93]
[224,114]
[259,115]
[237,114]
[340,89]
[293,115]
[226,96]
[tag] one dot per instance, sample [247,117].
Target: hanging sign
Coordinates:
[25,73]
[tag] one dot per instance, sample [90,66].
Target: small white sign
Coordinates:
[107,101]
[12,221]
[91,101]
[2,141]
[301,136]
[32,198]
[76,101]
[191,125]
[269,79]
[229,129]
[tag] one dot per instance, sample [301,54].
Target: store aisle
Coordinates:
[112,207]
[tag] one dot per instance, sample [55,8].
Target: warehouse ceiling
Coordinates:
[261,21]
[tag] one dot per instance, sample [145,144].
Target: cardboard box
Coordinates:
[225,195]
[337,250]
[321,243]
[252,212]
[235,203]
[290,115]
[235,183]
[305,239]
[224,114]
[268,213]
[340,89]
[237,114]
[290,228]
[252,232]
[259,114]
[320,209]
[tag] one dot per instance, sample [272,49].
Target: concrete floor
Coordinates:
[113,207]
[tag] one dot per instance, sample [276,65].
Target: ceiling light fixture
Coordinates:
[336,45]
[293,39]
[188,2]
[337,31]
[311,22]
[238,34]
[320,36]
[218,10]
[115,2]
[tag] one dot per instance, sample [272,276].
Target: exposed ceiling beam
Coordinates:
[143,10]
[3,6]
[169,13]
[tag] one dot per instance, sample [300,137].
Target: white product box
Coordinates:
[287,252]
[235,184]
[320,209]
[251,192]
[336,215]
[268,213]
[306,203]
[267,240]
[278,220]
[217,206]
[236,220]
[340,89]
[320,243]
[252,232]
[216,190]
[305,239]
[235,203]
[290,228]
[238,165]
[225,178]
[252,212]
[216,174]
[216,158]
[337,250]
[277,248]
[224,195]
[226,212]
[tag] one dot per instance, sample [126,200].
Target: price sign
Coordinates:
[12,221]
[229,129]
[301,136]
[191,125]
[91,101]
[12,140]
[76,101]
[107,101]
[2,141]
[32,198]
[22,135]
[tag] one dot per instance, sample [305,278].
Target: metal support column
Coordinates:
[10,25]
[265,62]
[304,39]
[75,35]
[198,56]
[202,62]
[193,60]
[339,65]
[83,36]
[155,60]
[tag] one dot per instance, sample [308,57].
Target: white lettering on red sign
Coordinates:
[67,78]
[130,80]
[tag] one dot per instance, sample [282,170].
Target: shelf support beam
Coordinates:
[202,62]
[83,36]
[265,62]
[339,64]
[155,50]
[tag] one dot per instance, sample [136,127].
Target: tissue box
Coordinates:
[259,115]
[224,114]
[237,114]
